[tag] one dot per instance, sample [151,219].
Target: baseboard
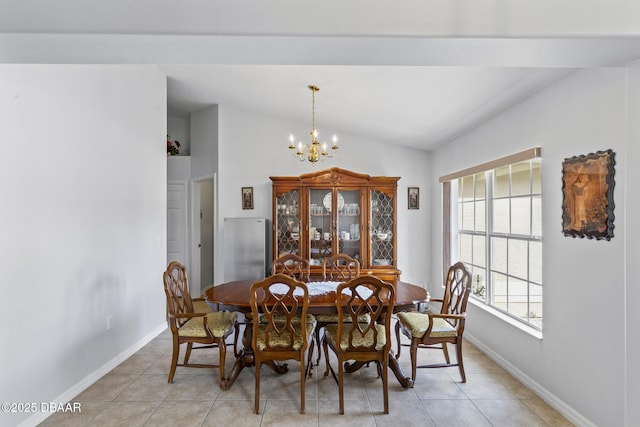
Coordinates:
[555,402]
[81,386]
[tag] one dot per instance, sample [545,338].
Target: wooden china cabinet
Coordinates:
[322,213]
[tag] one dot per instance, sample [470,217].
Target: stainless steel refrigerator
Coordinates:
[245,250]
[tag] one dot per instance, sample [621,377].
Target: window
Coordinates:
[495,217]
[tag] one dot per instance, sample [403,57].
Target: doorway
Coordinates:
[203,233]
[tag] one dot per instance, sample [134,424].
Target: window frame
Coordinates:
[452,233]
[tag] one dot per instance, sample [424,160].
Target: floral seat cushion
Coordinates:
[218,322]
[359,340]
[284,339]
[418,323]
[201,306]
[333,318]
[281,319]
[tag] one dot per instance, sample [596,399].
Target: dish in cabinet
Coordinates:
[326,202]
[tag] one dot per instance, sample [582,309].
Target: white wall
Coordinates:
[179,169]
[254,147]
[83,223]
[580,359]
[204,142]
[179,129]
[633,249]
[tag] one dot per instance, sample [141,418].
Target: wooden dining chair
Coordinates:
[337,268]
[361,342]
[436,330]
[340,268]
[282,329]
[292,265]
[190,326]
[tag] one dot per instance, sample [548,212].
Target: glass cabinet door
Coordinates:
[288,223]
[381,229]
[320,225]
[349,222]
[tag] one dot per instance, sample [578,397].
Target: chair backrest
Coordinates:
[278,303]
[357,298]
[176,289]
[456,290]
[340,267]
[292,265]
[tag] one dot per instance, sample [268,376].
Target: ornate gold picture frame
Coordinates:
[587,195]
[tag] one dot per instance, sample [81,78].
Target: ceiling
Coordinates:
[413,73]
[412,106]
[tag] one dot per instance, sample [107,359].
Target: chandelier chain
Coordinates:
[313,111]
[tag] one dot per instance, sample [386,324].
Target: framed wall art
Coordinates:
[413,196]
[247,197]
[587,195]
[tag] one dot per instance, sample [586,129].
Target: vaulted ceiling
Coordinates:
[415,73]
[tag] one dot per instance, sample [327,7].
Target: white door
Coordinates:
[177,223]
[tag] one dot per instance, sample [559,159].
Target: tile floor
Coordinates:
[136,393]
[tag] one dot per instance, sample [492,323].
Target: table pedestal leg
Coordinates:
[394,365]
[245,359]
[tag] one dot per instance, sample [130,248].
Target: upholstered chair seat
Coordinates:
[218,323]
[418,323]
[200,306]
[284,339]
[333,318]
[311,319]
[359,340]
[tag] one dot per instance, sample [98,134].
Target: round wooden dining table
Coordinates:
[235,296]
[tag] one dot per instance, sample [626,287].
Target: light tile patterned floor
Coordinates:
[136,393]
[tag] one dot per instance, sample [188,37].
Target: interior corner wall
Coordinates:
[83,223]
[633,249]
[179,129]
[580,359]
[254,147]
[204,142]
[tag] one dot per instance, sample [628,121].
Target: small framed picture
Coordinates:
[413,197]
[247,197]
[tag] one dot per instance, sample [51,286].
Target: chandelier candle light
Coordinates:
[315,151]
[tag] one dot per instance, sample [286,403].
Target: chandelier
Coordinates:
[315,151]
